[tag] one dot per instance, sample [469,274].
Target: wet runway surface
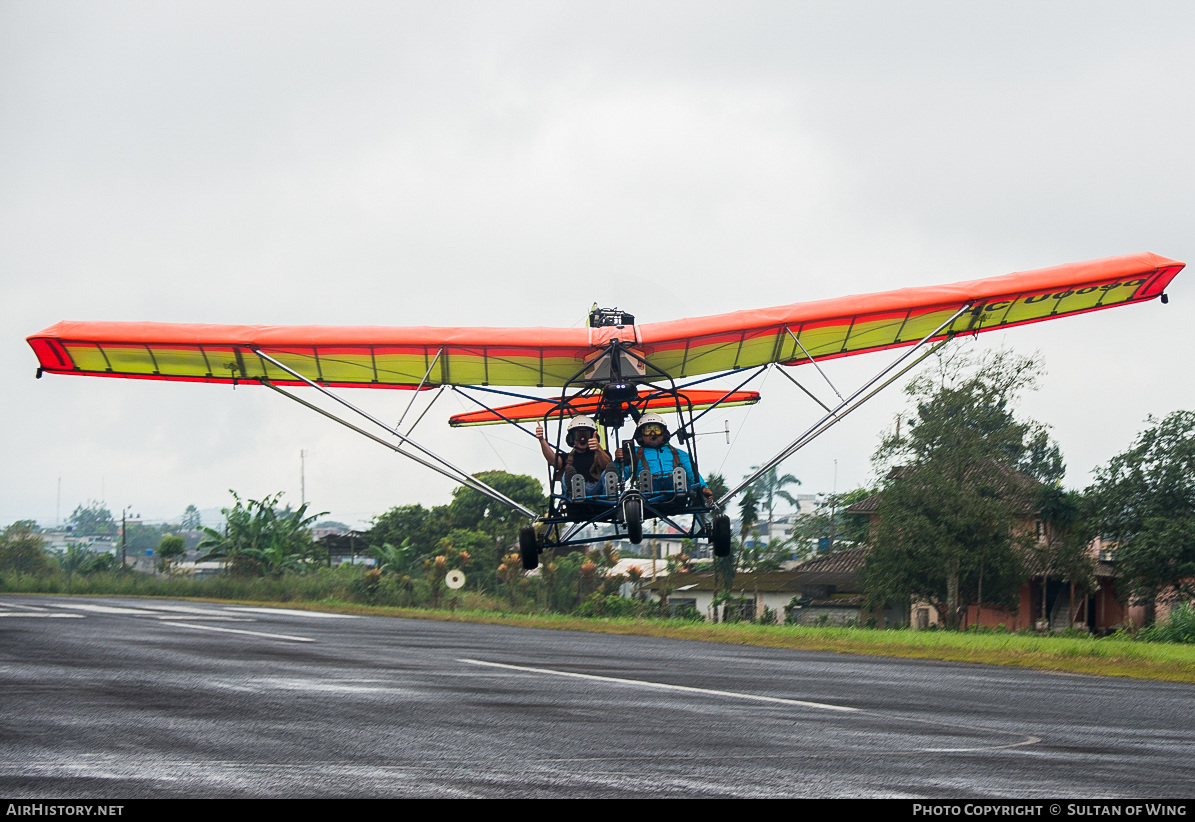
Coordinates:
[111,697]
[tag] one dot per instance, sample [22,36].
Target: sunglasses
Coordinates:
[653,429]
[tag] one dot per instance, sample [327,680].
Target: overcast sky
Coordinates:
[509,163]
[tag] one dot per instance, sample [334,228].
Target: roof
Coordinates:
[840,569]
[839,562]
[772,582]
[864,506]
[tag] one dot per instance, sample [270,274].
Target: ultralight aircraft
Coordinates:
[611,370]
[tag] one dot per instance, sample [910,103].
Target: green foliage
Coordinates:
[72,560]
[76,559]
[969,470]
[770,487]
[422,527]
[748,513]
[608,606]
[191,521]
[1179,628]
[1145,498]
[140,538]
[717,485]
[757,557]
[474,551]
[93,519]
[964,411]
[830,521]
[260,538]
[725,567]
[392,559]
[22,550]
[169,550]
[1060,552]
[474,511]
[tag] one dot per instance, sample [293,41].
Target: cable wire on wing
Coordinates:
[452,471]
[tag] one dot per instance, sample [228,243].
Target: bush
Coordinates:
[1179,628]
[22,551]
[598,604]
[689,614]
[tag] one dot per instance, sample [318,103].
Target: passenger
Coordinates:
[587,469]
[657,459]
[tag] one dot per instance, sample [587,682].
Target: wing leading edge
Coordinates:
[385,357]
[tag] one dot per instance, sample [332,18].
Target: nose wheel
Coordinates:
[632,517]
[721,536]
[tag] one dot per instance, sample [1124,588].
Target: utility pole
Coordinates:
[123,530]
[302,476]
[834,507]
[58,505]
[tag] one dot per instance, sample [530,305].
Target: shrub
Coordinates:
[1179,628]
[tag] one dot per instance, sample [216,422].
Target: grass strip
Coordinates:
[1111,656]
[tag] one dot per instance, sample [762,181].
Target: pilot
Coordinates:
[657,459]
[587,469]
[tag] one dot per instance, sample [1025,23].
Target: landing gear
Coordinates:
[632,516]
[528,548]
[721,538]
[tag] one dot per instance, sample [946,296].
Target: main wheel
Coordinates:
[632,515]
[528,548]
[721,535]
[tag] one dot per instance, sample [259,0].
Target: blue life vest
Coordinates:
[661,461]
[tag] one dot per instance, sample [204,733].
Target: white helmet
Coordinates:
[648,419]
[579,421]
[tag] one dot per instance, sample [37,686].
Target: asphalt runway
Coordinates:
[126,698]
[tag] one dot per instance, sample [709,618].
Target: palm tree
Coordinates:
[770,487]
[75,559]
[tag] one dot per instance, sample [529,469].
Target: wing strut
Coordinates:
[419,419]
[426,374]
[445,467]
[808,393]
[850,403]
[693,422]
[812,360]
[495,412]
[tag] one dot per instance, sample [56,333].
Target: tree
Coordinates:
[141,538]
[748,513]
[717,485]
[769,488]
[831,521]
[1060,550]
[475,511]
[422,527]
[968,473]
[259,537]
[93,520]
[22,550]
[1145,502]
[170,549]
[191,520]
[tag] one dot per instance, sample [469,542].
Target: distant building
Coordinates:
[824,590]
[1063,607]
